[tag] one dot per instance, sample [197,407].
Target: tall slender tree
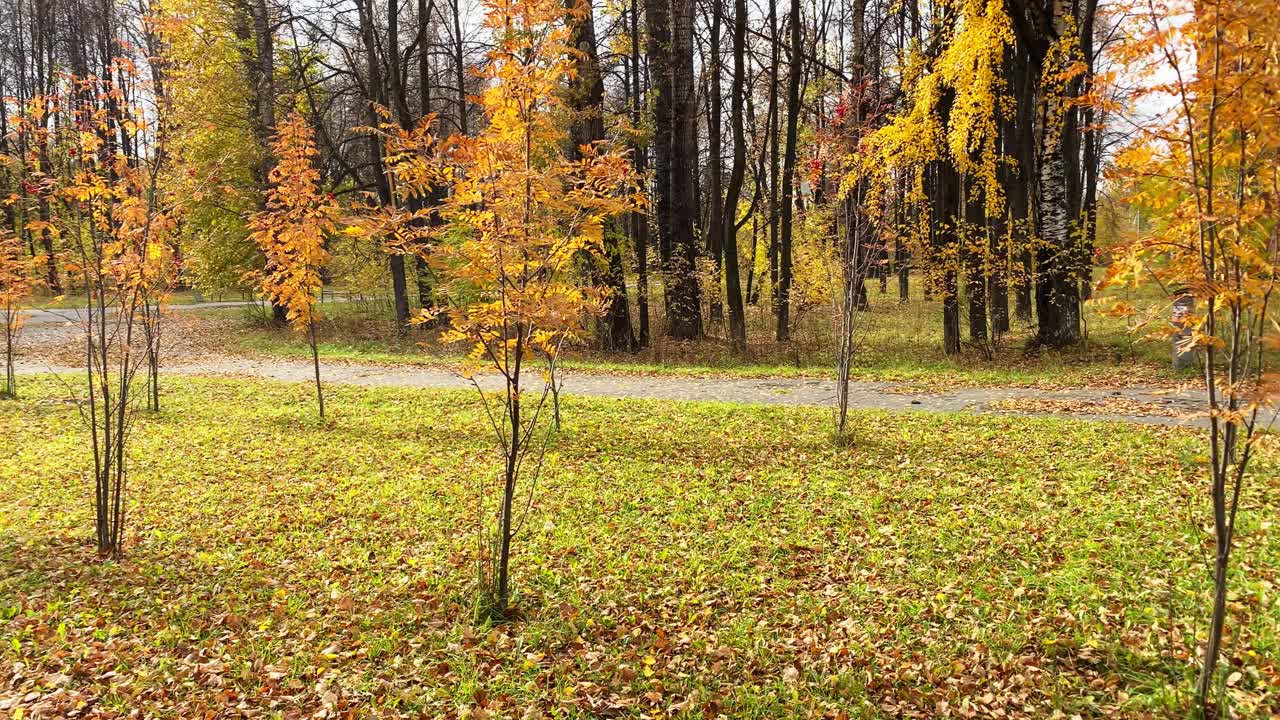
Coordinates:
[684,304]
[586,102]
[640,153]
[794,71]
[728,224]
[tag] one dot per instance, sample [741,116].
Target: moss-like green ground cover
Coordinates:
[693,560]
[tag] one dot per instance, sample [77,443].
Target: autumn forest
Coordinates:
[639,358]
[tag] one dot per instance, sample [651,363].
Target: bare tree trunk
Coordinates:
[856,227]
[459,68]
[421,269]
[396,90]
[1057,266]
[998,279]
[1022,135]
[514,446]
[42,49]
[151,316]
[376,94]
[586,99]
[901,254]
[639,220]
[946,217]
[10,318]
[973,245]
[715,170]
[852,296]
[1089,210]
[1057,297]
[315,361]
[684,305]
[509,491]
[729,221]
[399,104]
[423,273]
[788,176]
[771,133]
[659,51]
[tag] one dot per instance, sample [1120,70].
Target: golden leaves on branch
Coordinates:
[514,217]
[98,196]
[1202,172]
[292,230]
[17,277]
[953,106]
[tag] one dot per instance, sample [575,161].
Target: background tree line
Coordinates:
[754,125]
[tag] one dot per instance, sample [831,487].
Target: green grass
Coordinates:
[898,342]
[683,559]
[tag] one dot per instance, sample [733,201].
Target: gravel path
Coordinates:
[1138,405]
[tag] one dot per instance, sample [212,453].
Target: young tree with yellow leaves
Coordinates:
[291,233]
[518,219]
[16,269]
[117,225]
[943,145]
[159,271]
[1209,167]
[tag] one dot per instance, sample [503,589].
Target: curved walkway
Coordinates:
[1138,405]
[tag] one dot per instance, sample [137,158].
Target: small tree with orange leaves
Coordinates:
[1209,170]
[291,232]
[118,226]
[159,273]
[16,269]
[519,218]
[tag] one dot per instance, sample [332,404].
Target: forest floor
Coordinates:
[682,559]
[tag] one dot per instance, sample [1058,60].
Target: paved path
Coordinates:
[1138,405]
[62,316]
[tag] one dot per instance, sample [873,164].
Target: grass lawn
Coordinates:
[898,342]
[693,560]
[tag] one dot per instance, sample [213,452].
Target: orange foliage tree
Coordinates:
[1208,168]
[16,270]
[291,232]
[512,232]
[119,227]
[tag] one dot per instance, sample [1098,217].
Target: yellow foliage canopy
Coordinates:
[520,216]
[1209,170]
[291,231]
